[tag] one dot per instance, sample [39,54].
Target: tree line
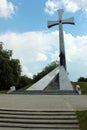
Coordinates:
[82,79]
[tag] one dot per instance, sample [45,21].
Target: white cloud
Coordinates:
[36,49]
[55,56]
[25,70]
[76,48]
[7,9]
[41,57]
[70,5]
[31,48]
[51,6]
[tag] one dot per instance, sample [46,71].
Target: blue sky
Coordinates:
[23,29]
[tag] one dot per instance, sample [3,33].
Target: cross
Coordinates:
[61,39]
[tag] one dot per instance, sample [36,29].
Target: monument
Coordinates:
[61,39]
[58,75]
[63,79]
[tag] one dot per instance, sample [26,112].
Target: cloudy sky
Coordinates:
[23,29]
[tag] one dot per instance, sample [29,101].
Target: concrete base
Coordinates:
[55,80]
[63,80]
[45,81]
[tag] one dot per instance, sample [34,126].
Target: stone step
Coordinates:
[46,126]
[5,128]
[38,119]
[55,113]
[44,92]
[37,110]
[38,114]
[67,117]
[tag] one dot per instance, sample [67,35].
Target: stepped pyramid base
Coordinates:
[54,83]
[55,80]
[45,81]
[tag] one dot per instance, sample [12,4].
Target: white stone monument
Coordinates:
[64,83]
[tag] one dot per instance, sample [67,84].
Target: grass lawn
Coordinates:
[82,117]
[3,92]
[24,88]
[83,86]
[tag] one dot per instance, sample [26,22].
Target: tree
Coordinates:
[16,70]
[45,71]
[10,69]
[82,79]
[24,81]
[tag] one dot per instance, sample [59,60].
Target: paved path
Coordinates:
[48,102]
[33,102]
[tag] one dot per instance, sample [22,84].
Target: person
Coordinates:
[62,59]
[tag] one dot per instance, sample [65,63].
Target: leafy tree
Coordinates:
[82,79]
[16,70]
[24,81]
[10,69]
[45,71]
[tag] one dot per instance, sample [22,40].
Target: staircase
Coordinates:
[38,119]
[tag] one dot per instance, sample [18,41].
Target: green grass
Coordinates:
[24,88]
[3,92]
[83,86]
[82,117]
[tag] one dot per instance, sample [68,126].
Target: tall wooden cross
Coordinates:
[61,39]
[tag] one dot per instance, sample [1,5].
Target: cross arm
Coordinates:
[68,21]
[52,23]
